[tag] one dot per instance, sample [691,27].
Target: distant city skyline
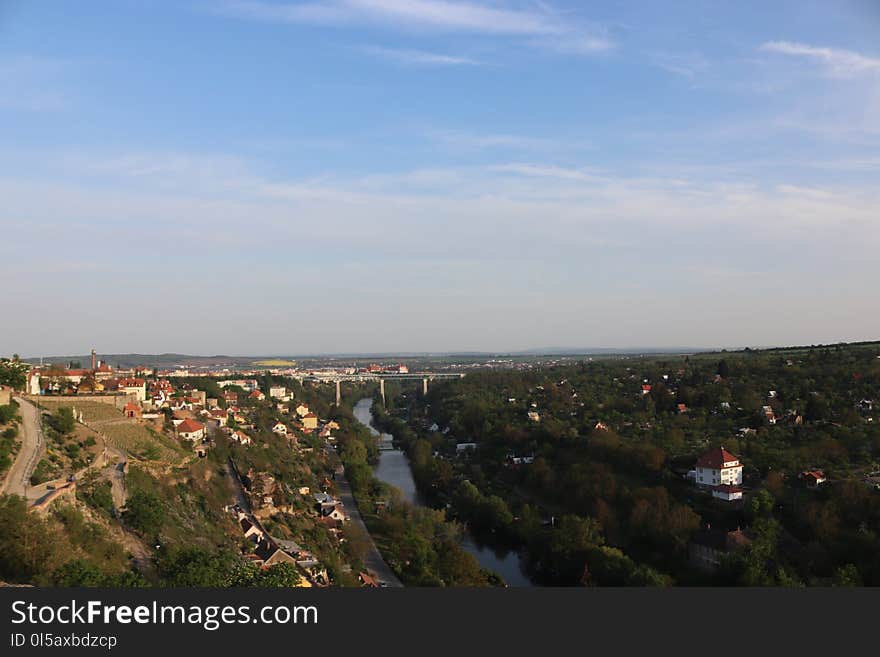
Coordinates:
[385,176]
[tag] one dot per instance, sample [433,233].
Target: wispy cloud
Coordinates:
[418,57]
[687,65]
[839,62]
[442,14]
[463,140]
[547,171]
[541,26]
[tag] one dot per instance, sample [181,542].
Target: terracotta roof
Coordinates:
[814,474]
[190,426]
[716,458]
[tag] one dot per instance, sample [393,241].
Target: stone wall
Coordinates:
[117,400]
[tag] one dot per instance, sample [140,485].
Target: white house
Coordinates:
[33,383]
[241,437]
[279,392]
[280,429]
[191,430]
[718,467]
[136,387]
[334,511]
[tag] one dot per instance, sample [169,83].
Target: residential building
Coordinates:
[241,437]
[279,392]
[191,430]
[310,421]
[718,467]
[136,387]
[813,478]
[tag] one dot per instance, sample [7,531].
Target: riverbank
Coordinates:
[419,543]
[393,468]
[373,560]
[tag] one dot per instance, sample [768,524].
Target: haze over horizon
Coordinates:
[381,176]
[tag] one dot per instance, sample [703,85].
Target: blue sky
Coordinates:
[379,175]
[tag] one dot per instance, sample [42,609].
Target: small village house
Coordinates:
[191,430]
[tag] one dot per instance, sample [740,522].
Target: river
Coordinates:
[393,468]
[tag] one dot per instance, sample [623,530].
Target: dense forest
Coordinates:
[584,467]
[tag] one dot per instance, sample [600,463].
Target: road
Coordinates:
[18,477]
[373,559]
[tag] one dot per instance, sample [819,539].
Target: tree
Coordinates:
[760,505]
[847,575]
[13,373]
[354,451]
[63,420]
[282,575]
[79,573]
[144,512]
[575,534]
[29,549]
[195,567]
[494,512]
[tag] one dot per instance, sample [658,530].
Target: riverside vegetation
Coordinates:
[602,497]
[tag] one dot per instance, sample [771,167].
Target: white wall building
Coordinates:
[719,467]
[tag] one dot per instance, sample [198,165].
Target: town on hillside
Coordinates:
[751,468]
[163,466]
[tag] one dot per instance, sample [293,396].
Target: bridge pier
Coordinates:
[382,389]
[338,392]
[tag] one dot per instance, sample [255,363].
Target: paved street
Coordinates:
[31,435]
[373,559]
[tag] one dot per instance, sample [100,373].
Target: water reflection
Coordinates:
[393,469]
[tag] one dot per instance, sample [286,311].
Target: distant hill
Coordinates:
[171,360]
[160,361]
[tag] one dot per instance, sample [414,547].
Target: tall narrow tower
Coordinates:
[94,361]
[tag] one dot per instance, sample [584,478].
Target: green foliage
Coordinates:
[13,373]
[81,573]
[96,494]
[188,567]
[760,505]
[197,567]
[8,413]
[62,420]
[61,549]
[282,575]
[144,512]
[28,546]
[605,451]
[45,471]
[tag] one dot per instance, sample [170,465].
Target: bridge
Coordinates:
[381,377]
